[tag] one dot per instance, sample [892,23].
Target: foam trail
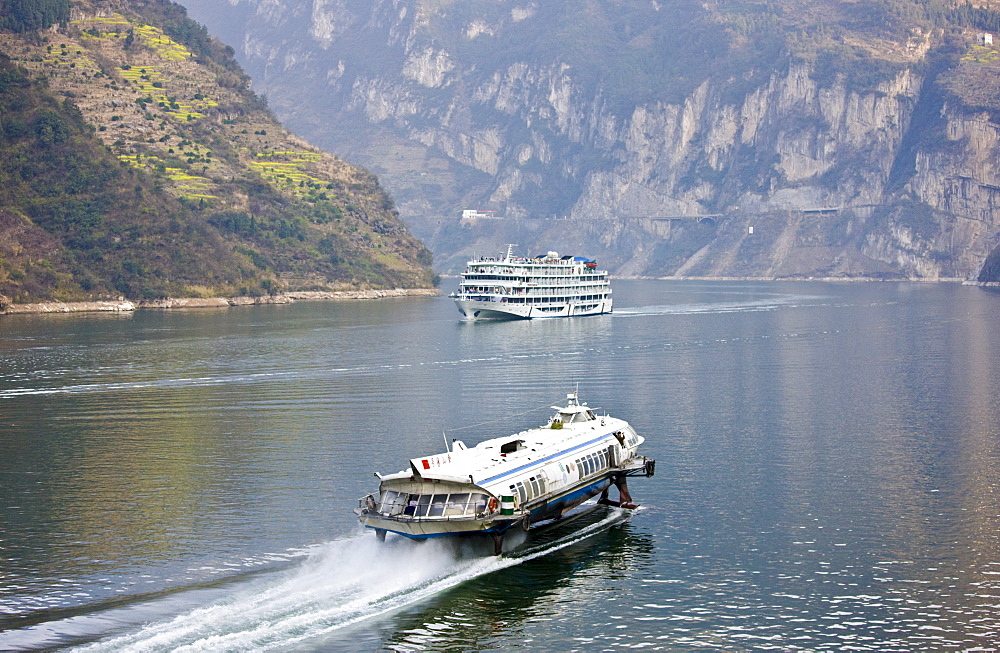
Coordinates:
[343,583]
[767,304]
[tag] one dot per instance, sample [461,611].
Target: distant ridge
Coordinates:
[884,114]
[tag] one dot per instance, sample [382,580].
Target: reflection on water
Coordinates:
[827,479]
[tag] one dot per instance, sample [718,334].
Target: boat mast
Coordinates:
[510,252]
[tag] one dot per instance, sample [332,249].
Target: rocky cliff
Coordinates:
[810,139]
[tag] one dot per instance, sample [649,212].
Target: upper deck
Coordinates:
[575,428]
[516,268]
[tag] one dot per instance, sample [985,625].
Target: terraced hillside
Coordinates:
[252,209]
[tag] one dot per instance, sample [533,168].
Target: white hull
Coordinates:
[500,310]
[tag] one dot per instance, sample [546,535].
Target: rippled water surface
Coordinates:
[828,458]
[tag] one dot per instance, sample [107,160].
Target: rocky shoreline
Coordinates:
[124,305]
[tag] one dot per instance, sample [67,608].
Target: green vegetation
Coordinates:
[107,231]
[134,162]
[32,15]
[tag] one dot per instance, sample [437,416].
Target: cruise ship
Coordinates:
[549,285]
[514,481]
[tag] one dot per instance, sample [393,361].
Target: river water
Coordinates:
[828,465]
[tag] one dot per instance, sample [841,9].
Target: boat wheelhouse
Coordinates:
[508,482]
[549,285]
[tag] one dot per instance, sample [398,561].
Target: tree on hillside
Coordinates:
[32,15]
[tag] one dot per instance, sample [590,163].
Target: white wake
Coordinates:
[342,583]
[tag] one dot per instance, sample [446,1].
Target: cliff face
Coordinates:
[783,167]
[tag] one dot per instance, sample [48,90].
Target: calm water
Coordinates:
[827,479]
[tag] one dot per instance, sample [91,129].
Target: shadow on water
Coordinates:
[357,593]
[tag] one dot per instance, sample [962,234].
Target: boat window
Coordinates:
[456,504]
[479,501]
[388,497]
[518,488]
[536,489]
[393,503]
[399,505]
[411,504]
[437,505]
[423,503]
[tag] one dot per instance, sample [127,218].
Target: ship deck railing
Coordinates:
[538,272]
[516,283]
[532,292]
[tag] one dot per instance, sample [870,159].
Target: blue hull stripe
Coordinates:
[544,460]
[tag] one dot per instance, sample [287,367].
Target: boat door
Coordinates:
[612,456]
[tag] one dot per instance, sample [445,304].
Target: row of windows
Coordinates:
[535,486]
[540,296]
[525,490]
[529,300]
[547,300]
[542,278]
[554,289]
[592,463]
[394,503]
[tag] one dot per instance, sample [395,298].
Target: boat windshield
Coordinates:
[459,504]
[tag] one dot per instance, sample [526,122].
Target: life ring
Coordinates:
[493,504]
[370,502]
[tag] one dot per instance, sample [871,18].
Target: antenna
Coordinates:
[445,436]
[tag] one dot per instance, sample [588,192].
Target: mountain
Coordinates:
[136,162]
[747,138]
